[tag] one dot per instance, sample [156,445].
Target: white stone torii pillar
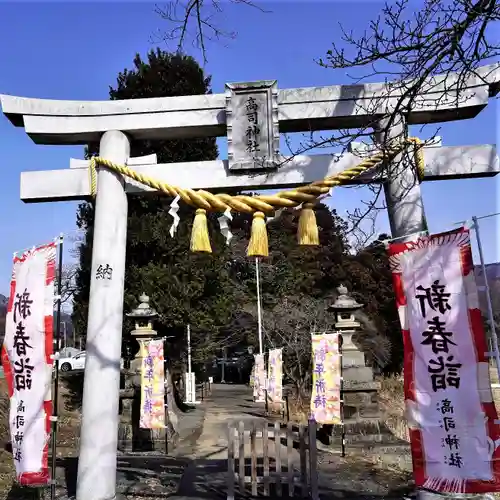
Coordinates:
[405,206]
[99,427]
[292,110]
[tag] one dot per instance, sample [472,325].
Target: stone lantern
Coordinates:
[131,436]
[143,316]
[360,390]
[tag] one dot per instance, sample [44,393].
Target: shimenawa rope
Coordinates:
[260,205]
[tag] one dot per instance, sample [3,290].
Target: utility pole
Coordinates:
[491,316]
[190,379]
[64,339]
[189,347]
[259,309]
[223,373]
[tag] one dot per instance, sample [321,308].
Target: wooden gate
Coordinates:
[270,460]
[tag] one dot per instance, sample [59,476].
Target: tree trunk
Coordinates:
[300,387]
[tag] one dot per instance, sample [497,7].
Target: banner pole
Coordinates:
[342,437]
[55,400]
[491,316]
[189,385]
[259,307]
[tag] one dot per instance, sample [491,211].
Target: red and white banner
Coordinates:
[449,403]
[27,361]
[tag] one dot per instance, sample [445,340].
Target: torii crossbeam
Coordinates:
[441,163]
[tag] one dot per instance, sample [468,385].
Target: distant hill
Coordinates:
[493,274]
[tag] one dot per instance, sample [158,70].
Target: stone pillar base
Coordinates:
[125,437]
[361,401]
[361,410]
[364,426]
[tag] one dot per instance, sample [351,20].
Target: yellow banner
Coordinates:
[325,398]
[259,382]
[275,376]
[152,414]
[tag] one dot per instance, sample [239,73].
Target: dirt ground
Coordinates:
[361,474]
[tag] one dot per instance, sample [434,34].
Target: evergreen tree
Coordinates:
[216,293]
[372,280]
[183,287]
[157,264]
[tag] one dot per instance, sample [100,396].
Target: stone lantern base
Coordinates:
[360,391]
[131,437]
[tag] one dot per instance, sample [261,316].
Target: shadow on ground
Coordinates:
[20,493]
[163,477]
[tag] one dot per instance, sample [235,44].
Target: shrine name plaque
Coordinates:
[252,125]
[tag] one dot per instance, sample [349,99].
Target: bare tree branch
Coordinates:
[201,15]
[407,48]
[68,283]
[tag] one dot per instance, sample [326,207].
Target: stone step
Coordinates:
[355,386]
[367,412]
[395,450]
[387,446]
[369,438]
[366,426]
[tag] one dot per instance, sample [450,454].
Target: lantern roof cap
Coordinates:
[143,310]
[344,301]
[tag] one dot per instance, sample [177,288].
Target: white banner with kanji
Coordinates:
[449,404]
[326,383]
[152,414]
[275,376]
[260,382]
[27,361]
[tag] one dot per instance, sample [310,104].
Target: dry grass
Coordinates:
[7,472]
[299,411]
[393,408]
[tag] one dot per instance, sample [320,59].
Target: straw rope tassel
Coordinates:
[200,241]
[307,233]
[258,245]
[260,204]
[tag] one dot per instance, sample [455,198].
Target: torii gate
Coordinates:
[116,123]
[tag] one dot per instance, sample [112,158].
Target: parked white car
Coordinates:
[70,363]
[76,362]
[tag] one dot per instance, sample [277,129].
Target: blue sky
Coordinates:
[67,50]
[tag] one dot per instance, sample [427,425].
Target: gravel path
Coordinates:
[197,469]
